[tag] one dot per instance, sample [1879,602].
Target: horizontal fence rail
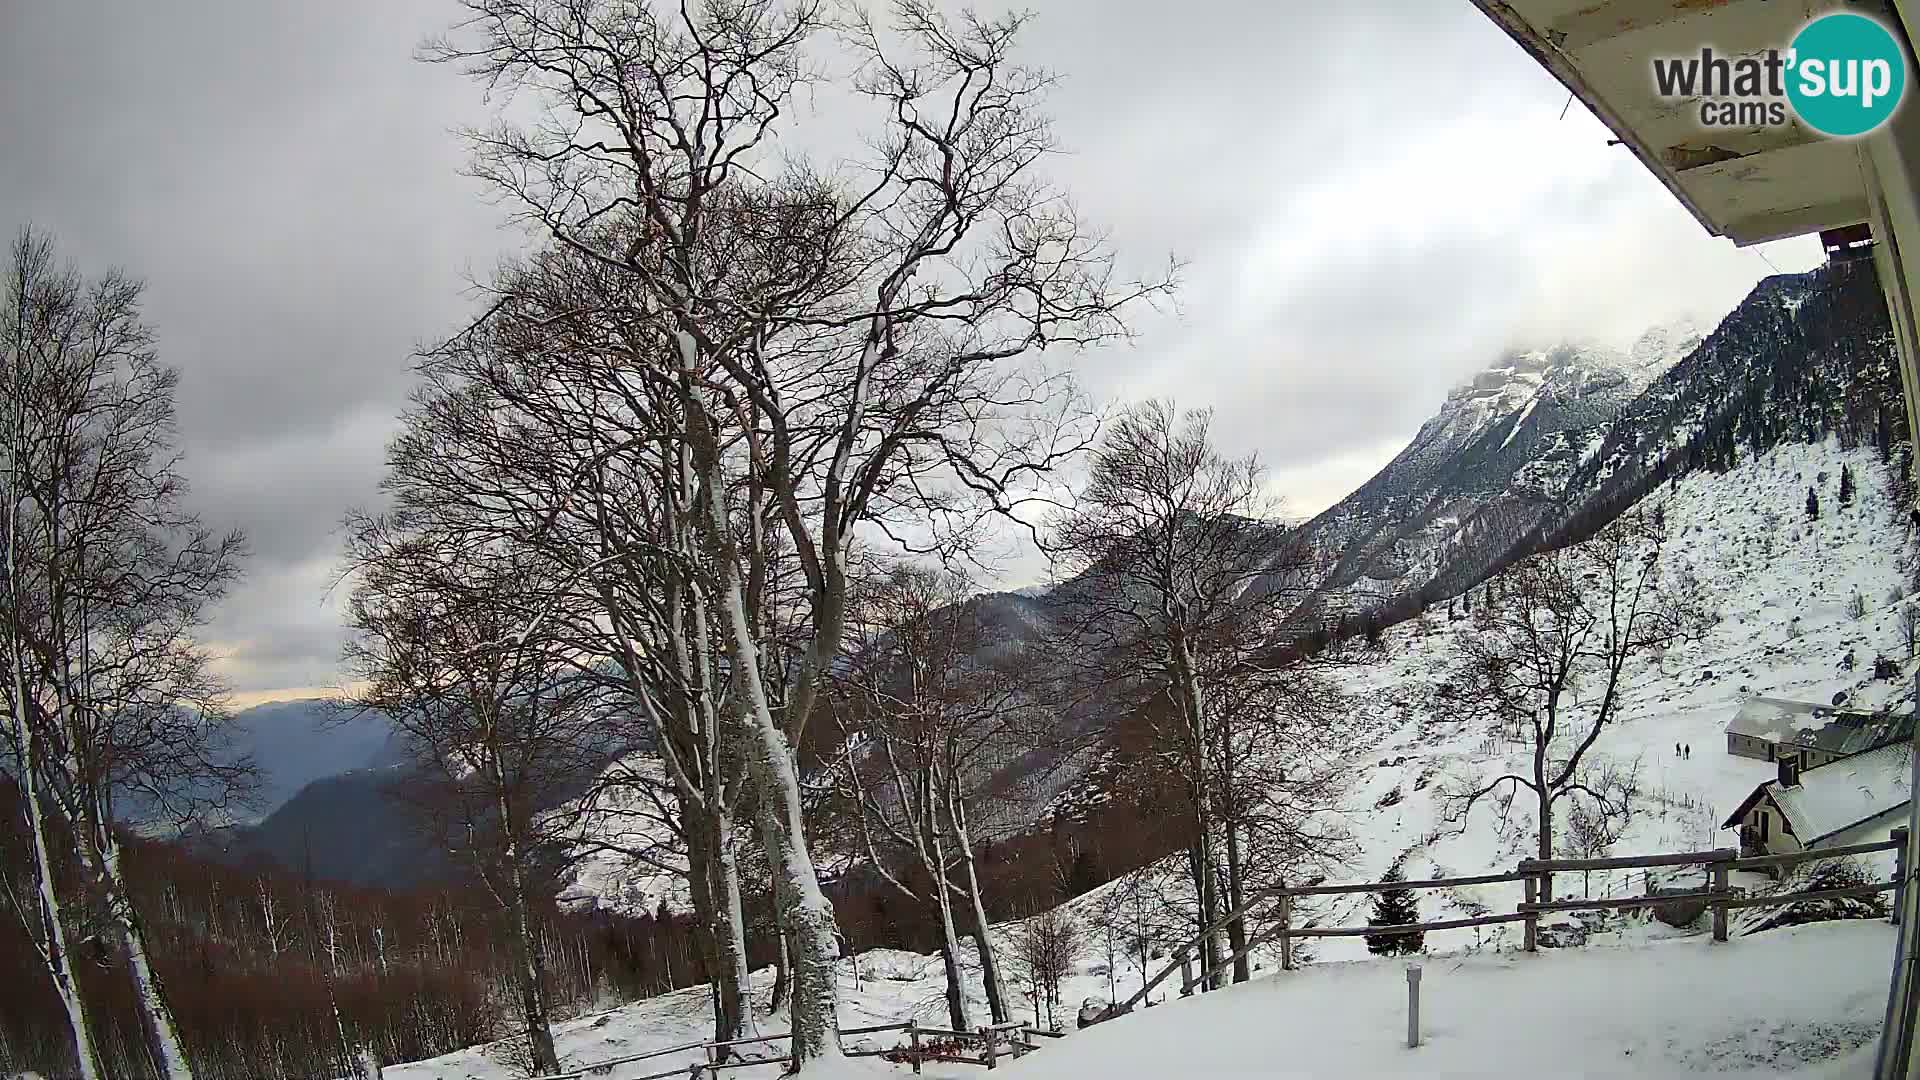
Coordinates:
[1535,875]
[1017,1036]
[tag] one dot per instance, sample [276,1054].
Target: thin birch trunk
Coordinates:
[997,1005]
[149,996]
[55,952]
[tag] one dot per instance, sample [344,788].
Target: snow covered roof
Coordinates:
[1817,727]
[1840,794]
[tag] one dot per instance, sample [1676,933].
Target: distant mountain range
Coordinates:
[297,742]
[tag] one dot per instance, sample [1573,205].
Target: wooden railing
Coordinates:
[1536,877]
[996,1042]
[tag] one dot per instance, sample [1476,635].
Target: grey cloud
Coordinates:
[1372,198]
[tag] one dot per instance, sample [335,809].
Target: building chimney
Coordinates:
[1789,770]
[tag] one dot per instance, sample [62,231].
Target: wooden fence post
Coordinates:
[1899,872]
[913,1043]
[988,1034]
[1533,917]
[1286,923]
[1719,901]
[1186,973]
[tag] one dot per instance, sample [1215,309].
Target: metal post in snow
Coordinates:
[1413,1005]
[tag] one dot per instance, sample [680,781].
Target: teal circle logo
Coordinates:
[1846,74]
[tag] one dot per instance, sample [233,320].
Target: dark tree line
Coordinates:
[247,953]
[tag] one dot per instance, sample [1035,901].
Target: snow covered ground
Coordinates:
[1802,1002]
[1640,999]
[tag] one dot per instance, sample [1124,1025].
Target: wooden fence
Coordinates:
[990,1046]
[1536,876]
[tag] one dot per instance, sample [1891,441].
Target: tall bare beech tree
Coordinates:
[1555,655]
[1171,547]
[857,344]
[115,713]
[529,429]
[447,648]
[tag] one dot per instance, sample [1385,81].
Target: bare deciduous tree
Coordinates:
[927,713]
[1174,551]
[856,346]
[116,714]
[1049,946]
[446,648]
[1556,657]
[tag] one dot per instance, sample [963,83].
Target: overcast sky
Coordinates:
[1373,198]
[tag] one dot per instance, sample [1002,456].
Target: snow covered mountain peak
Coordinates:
[1659,349]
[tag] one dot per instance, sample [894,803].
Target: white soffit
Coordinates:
[1750,184]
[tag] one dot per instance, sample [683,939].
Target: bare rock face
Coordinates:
[1492,463]
[1678,913]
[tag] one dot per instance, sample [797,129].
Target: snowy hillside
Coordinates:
[1781,586]
[1660,1009]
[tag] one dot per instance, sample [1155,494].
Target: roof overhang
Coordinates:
[1750,184]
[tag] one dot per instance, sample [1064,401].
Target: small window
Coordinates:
[1763,825]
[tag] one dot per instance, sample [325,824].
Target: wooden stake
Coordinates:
[1286,923]
[1533,917]
[1719,901]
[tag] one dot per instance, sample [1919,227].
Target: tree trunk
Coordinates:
[1216,975]
[533,995]
[1546,841]
[53,923]
[1236,896]
[783,967]
[1193,709]
[943,900]
[783,952]
[700,887]
[809,916]
[731,972]
[989,960]
[26,743]
[149,996]
[806,910]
